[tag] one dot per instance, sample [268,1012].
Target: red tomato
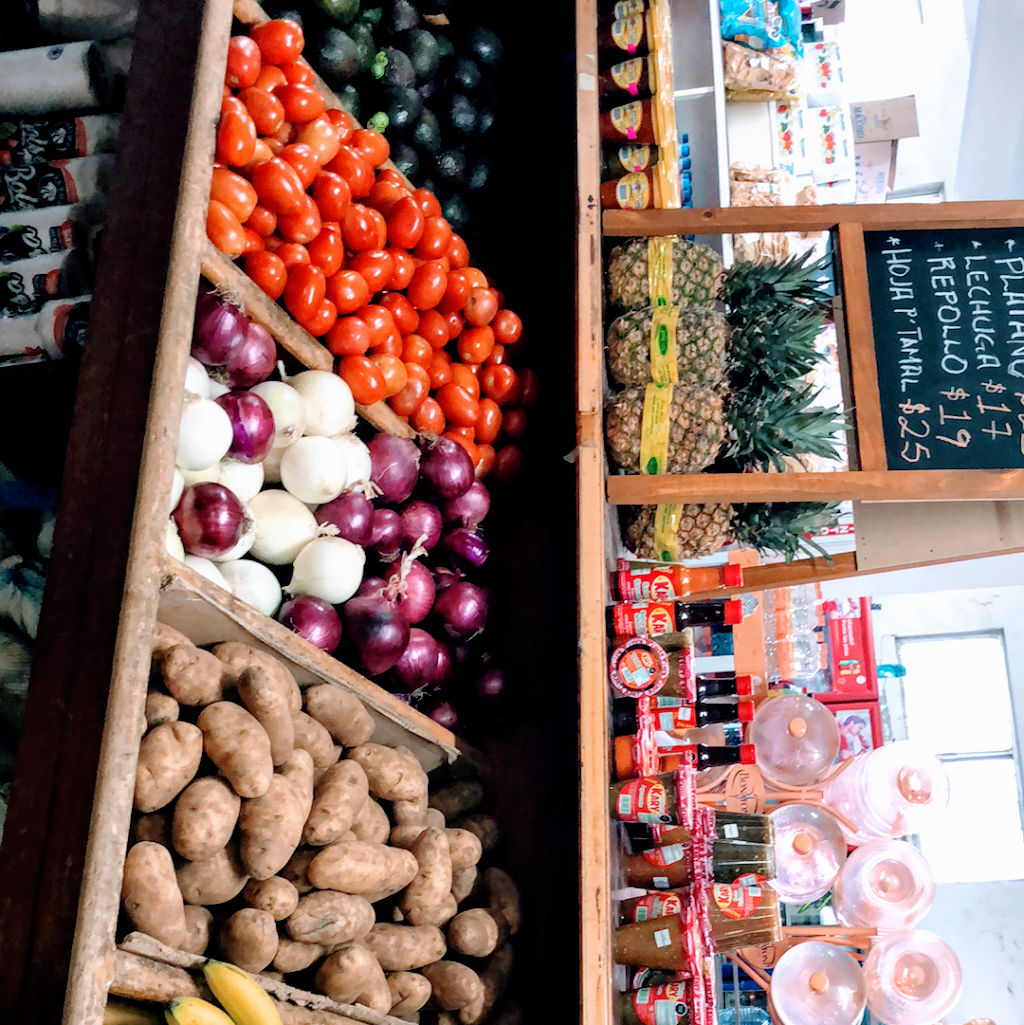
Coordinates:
[332,195]
[513,423]
[417,350]
[327,250]
[508,463]
[461,432]
[303,226]
[481,306]
[497,355]
[349,337]
[379,320]
[301,102]
[348,291]
[403,268]
[433,243]
[260,155]
[253,243]
[363,377]
[439,369]
[343,123]
[485,463]
[389,174]
[460,408]
[501,383]
[466,443]
[244,62]
[405,222]
[475,344]
[428,202]
[278,186]
[262,220]
[280,40]
[358,228]
[385,194]
[284,136]
[268,271]
[434,328]
[412,396]
[305,292]
[508,328]
[303,160]
[298,71]
[455,324]
[292,254]
[464,377]
[236,135]
[380,227]
[390,345]
[458,252]
[477,278]
[321,137]
[234,192]
[375,267]
[528,379]
[456,292]
[323,320]
[354,168]
[404,313]
[270,78]
[372,145]
[264,108]
[427,285]
[488,423]
[428,419]
[224,229]
[394,373]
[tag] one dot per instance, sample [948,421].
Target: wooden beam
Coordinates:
[786,574]
[857,485]
[872,217]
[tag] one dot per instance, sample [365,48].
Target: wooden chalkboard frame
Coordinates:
[873,480]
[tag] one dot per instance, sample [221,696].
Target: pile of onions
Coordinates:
[313,619]
[210,519]
[252,425]
[237,351]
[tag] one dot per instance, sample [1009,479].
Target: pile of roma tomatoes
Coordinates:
[360,260]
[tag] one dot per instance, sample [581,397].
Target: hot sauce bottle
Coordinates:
[673,716]
[652,618]
[665,581]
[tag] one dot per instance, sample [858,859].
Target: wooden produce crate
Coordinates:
[66,833]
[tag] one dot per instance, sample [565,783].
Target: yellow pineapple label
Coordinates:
[666,532]
[636,158]
[627,75]
[628,32]
[628,8]
[628,119]
[664,360]
[633,191]
[654,428]
[659,270]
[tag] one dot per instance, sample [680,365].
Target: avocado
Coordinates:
[478,171]
[405,158]
[450,167]
[340,11]
[421,46]
[349,97]
[465,75]
[362,34]
[371,15]
[484,118]
[400,15]
[427,134]
[444,47]
[483,46]
[337,56]
[403,108]
[398,69]
[455,212]
[457,113]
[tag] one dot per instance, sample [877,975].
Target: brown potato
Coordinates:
[270,828]
[197,929]
[353,866]
[503,896]
[371,824]
[400,948]
[494,976]
[475,932]
[165,637]
[453,985]
[409,992]
[342,713]
[347,972]
[278,897]
[296,871]
[237,657]
[330,918]
[394,774]
[150,893]
[239,746]
[192,676]
[433,817]
[463,882]
[313,737]
[457,798]
[215,880]
[407,813]
[298,770]
[267,700]
[249,939]
[405,836]
[427,899]
[483,827]
[169,756]
[161,708]
[465,847]
[339,796]
[204,818]
[293,956]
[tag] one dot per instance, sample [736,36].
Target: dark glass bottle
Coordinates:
[650,619]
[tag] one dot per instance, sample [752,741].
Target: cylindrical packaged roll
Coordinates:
[87,19]
[26,285]
[24,234]
[34,140]
[619,160]
[56,183]
[45,79]
[58,329]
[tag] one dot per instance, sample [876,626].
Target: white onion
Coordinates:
[244,479]
[172,541]
[330,568]
[204,436]
[357,458]
[330,408]
[272,465]
[284,526]
[218,388]
[243,544]
[177,487]
[197,381]
[288,409]
[314,469]
[207,569]
[254,584]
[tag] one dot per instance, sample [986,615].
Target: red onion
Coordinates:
[314,619]
[254,360]
[210,520]
[421,522]
[252,425]
[218,331]
[413,593]
[442,712]
[377,631]
[445,664]
[447,469]
[352,514]
[416,667]
[490,688]
[386,535]
[461,610]
[469,508]
[371,587]
[465,548]
[395,462]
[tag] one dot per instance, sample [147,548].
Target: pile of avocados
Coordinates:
[425,72]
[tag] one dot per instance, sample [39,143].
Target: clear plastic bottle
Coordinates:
[797,739]
[886,884]
[818,984]
[809,852]
[912,978]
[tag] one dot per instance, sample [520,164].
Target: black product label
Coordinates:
[36,185]
[72,335]
[48,140]
[16,299]
[22,241]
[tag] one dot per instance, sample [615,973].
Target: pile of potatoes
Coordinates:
[269,830]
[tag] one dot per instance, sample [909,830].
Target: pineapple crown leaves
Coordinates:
[764,354]
[784,527]
[758,285]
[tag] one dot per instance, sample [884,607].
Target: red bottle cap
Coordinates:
[732,575]
[745,711]
[744,686]
[733,612]
[748,754]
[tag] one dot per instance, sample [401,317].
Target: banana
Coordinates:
[243,998]
[129,1012]
[194,1011]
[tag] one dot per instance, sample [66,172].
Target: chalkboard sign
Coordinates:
[947,309]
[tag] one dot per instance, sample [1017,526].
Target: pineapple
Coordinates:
[696,428]
[703,529]
[701,343]
[696,274]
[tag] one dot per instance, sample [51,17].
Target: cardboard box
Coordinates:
[880,120]
[876,170]
[829,144]
[822,73]
[831,12]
